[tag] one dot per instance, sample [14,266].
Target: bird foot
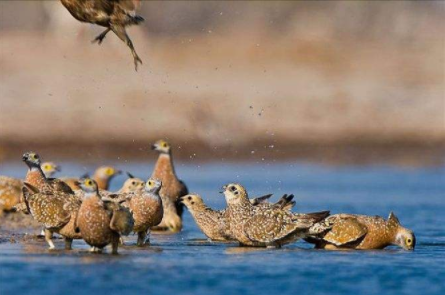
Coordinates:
[136,61]
[99,39]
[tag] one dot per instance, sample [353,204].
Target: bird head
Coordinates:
[88,185]
[133,185]
[153,186]
[106,172]
[162,147]
[50,168]
[235,193]
[31,159]
[405,238]
[192,201]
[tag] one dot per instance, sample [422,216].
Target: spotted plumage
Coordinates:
[361,232]
[264,227]
[55,210]
[95,218]
[115,15]
[10,192]
[132,184]
[37,178]
[172,188]
[214,223]
[146,208]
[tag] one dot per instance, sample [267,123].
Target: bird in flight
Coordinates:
[114,15]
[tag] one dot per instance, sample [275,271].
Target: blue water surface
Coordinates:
[186,263]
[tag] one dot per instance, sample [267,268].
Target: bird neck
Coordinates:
[35,176]
[164,167]
[102,183]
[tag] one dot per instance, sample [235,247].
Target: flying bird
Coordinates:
[114,15]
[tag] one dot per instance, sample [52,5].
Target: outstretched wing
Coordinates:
[345,230]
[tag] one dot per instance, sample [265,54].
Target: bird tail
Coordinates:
[313,217]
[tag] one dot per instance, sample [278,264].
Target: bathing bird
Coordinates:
[214,223]
[265,227]
[361,232]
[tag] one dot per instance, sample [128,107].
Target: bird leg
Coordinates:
[141,238]
[68,243]
[114,244]
[48,237]
[122,34]
[101,37]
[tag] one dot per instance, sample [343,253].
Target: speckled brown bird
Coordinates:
[102,176]
[172,187]
[55,210]
[10,192]
[214,223]
[115,15]
[361,232]
[11,188]
[147,209]
[265,227]
[94,220]
[132,184]
[37,178]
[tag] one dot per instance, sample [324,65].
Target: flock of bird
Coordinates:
[83,208]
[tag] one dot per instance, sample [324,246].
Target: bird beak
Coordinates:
[181,199]
[153,147]
[24,158]
[77,183]
[57,168]
[118,172]
[223,189]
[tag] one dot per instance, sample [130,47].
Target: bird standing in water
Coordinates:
[115,15]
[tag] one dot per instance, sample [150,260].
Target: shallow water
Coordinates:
[188,264]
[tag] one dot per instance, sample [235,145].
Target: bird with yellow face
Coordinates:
[50,168]
[102,176]
[172,188]
[132,184]
[147,209]
[361,232]
[11,188]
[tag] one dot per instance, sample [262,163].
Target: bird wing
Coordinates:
[129,5]
[60,186]
[345,230]
[260,200]
[122,221]
[269,226]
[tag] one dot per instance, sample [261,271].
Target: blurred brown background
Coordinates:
[336,82]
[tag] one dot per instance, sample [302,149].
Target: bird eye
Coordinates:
[88,182]
[236,193]
[189,198]
[232,188]
[46,167]
[164,145]
[150,183]
[133,182]
[109,171]
[409,241]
